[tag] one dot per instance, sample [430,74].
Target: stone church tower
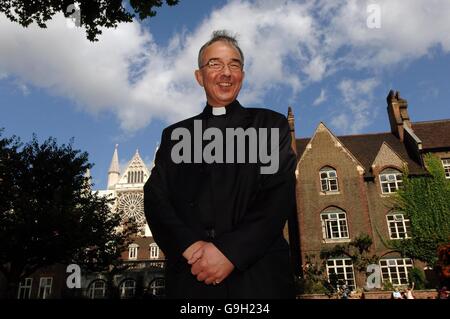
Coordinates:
[126,188]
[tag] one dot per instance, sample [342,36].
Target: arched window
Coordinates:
[395,270]
[334,223]
[399,227]
[341,272]
[328,180]
[97,289]
[446,164]
[128,288]
[390,180]
[133,251]
[157,287]
[135,177]
[154,251]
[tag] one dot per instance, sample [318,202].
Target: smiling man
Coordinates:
[220,223]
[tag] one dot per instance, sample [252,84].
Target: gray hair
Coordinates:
[220,35]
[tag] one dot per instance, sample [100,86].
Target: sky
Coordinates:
[331,61]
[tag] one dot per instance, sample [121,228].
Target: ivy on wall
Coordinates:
[425,201]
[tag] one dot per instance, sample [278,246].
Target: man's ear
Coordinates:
[199,77]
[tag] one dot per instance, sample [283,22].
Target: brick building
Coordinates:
[344,187]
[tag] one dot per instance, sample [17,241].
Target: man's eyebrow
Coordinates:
[218,59]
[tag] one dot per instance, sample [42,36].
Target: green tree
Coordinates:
[49,214]
[426,202]
[357,250]
[93,14]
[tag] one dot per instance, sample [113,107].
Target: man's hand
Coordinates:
[210,265]
[193,249]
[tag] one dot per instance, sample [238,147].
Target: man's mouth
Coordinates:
[224,84]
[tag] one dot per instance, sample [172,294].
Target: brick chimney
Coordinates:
[398,113]
[291,121]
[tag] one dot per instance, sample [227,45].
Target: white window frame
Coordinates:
[334,221]
[154,251]
[400,224]
[395,270]
[391,179]
[133,250]
[446,165]
[25,287]
[340,267]
[157,286]
[126,287]
[93,289]
[45,287]
[328,180]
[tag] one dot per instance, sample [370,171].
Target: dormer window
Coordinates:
[133,251]
[390,180]
[154,251]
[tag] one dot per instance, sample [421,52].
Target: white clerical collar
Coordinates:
[221,110]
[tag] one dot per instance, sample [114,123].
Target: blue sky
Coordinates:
[320,57]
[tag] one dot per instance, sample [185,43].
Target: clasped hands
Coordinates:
[207,262]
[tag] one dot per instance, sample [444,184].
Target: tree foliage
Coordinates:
[48,213]
[426,202]
[94,14]
[358,250]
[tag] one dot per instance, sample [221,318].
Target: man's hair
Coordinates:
[220,35]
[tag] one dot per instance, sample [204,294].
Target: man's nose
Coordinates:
[226,70]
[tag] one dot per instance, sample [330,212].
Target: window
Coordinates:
[446,164]
[127,289]
[25,288]
[135,177]
[334,224]
[398,226]
[157,287]
[133,251]
[154,251]
[396,270]
[45,287]
[97,289]
[328,180]
[390,180]
[341,271]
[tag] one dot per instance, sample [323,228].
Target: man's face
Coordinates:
[221,86]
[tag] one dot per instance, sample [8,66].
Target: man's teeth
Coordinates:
[225,84]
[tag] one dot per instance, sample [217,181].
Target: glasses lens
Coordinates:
[215,65]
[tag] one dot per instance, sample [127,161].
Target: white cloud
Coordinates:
[356,112]
[321,98]
[287,44]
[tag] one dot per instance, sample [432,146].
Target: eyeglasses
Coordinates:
[219,66]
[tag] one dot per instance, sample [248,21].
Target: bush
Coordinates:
[417,277]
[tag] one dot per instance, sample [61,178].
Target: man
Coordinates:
[220,223]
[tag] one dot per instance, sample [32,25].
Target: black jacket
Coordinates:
[240,210]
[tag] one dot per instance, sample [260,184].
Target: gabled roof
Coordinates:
[365,148]
[136,163]
[323,128]
[434,134]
